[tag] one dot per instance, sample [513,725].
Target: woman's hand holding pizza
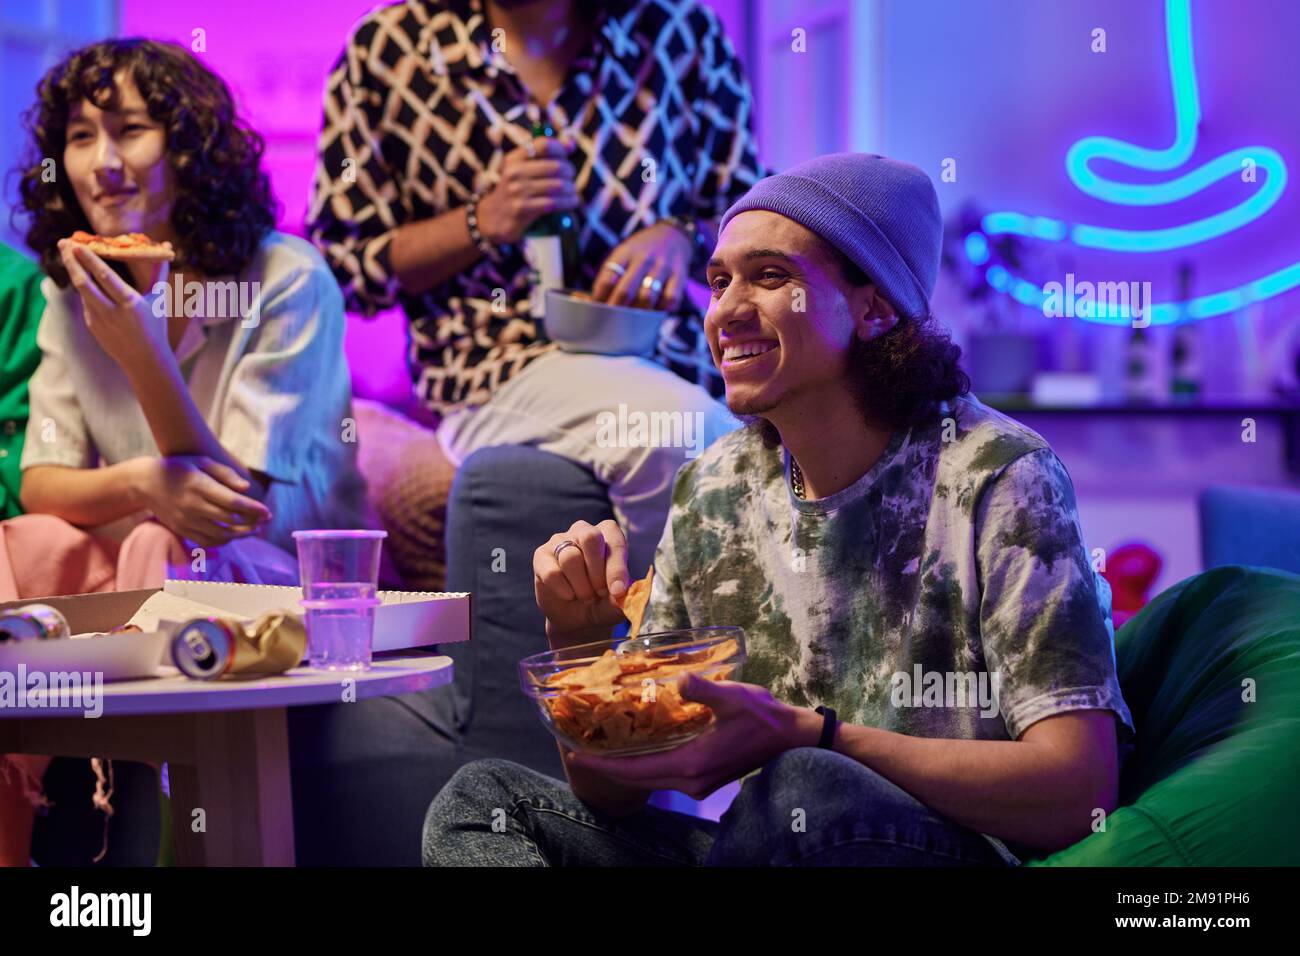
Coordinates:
[121,319]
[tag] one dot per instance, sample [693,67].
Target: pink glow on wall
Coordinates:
[276,58]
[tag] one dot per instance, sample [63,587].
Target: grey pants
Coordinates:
[631,422]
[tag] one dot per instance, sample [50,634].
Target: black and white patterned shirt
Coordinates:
[420,111]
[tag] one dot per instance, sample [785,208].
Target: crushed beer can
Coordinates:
[32,622]
[210,647]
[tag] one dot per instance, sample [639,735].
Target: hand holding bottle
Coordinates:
[530,186]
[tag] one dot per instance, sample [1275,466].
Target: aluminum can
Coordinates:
[32,622]
[207,648]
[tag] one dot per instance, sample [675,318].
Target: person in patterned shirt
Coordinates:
[931,670]
[428,127]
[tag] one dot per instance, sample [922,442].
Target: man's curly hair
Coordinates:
[901,378]
[223,206]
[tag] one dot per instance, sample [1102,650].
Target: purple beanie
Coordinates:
[882,214]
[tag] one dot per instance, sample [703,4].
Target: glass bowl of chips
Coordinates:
[620,698]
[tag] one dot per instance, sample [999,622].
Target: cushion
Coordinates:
[1253,526]
[409,480]
[1211,672]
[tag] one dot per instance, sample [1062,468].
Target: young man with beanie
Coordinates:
[931,673]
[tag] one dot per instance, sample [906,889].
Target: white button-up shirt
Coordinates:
[275,391]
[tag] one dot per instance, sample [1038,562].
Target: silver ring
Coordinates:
[653,282]
[566,543]
[618,269]
[531,146]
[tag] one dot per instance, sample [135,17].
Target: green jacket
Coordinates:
[21,305]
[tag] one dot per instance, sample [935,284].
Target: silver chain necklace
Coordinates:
[796,479]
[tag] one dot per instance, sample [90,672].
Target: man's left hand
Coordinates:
[655,264]
[750,728]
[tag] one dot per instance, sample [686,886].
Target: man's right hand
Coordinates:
[577,590]
[199,499]
[528,188]
[580,588]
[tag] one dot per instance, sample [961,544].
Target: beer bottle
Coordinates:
[1140,383]
[1185,382]
[551,247]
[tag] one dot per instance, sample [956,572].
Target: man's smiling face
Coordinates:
[780,320]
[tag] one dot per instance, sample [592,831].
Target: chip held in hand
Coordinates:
[636,600]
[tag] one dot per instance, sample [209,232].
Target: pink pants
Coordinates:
[44,556]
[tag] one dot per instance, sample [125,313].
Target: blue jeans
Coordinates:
[807,807]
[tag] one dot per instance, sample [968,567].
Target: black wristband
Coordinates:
[830,724]
[690,228]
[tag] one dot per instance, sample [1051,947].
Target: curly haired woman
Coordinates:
[173,431]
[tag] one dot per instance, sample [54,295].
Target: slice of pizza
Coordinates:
[130,245]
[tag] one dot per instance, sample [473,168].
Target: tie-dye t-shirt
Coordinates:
[946,593]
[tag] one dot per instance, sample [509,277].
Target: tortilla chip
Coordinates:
[602,704]
[635,602]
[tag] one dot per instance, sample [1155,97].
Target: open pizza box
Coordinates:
[404,620]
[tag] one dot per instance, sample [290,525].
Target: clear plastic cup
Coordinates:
[340,584]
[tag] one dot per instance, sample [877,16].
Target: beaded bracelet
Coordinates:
[481,241]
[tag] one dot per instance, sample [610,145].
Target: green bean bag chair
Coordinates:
[1211,672]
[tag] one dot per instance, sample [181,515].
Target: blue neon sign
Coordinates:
[1078,164]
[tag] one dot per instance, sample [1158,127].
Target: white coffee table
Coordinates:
[226,744]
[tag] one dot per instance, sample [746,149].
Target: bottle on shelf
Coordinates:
[1140,382]
[551,247]
[1185,380]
